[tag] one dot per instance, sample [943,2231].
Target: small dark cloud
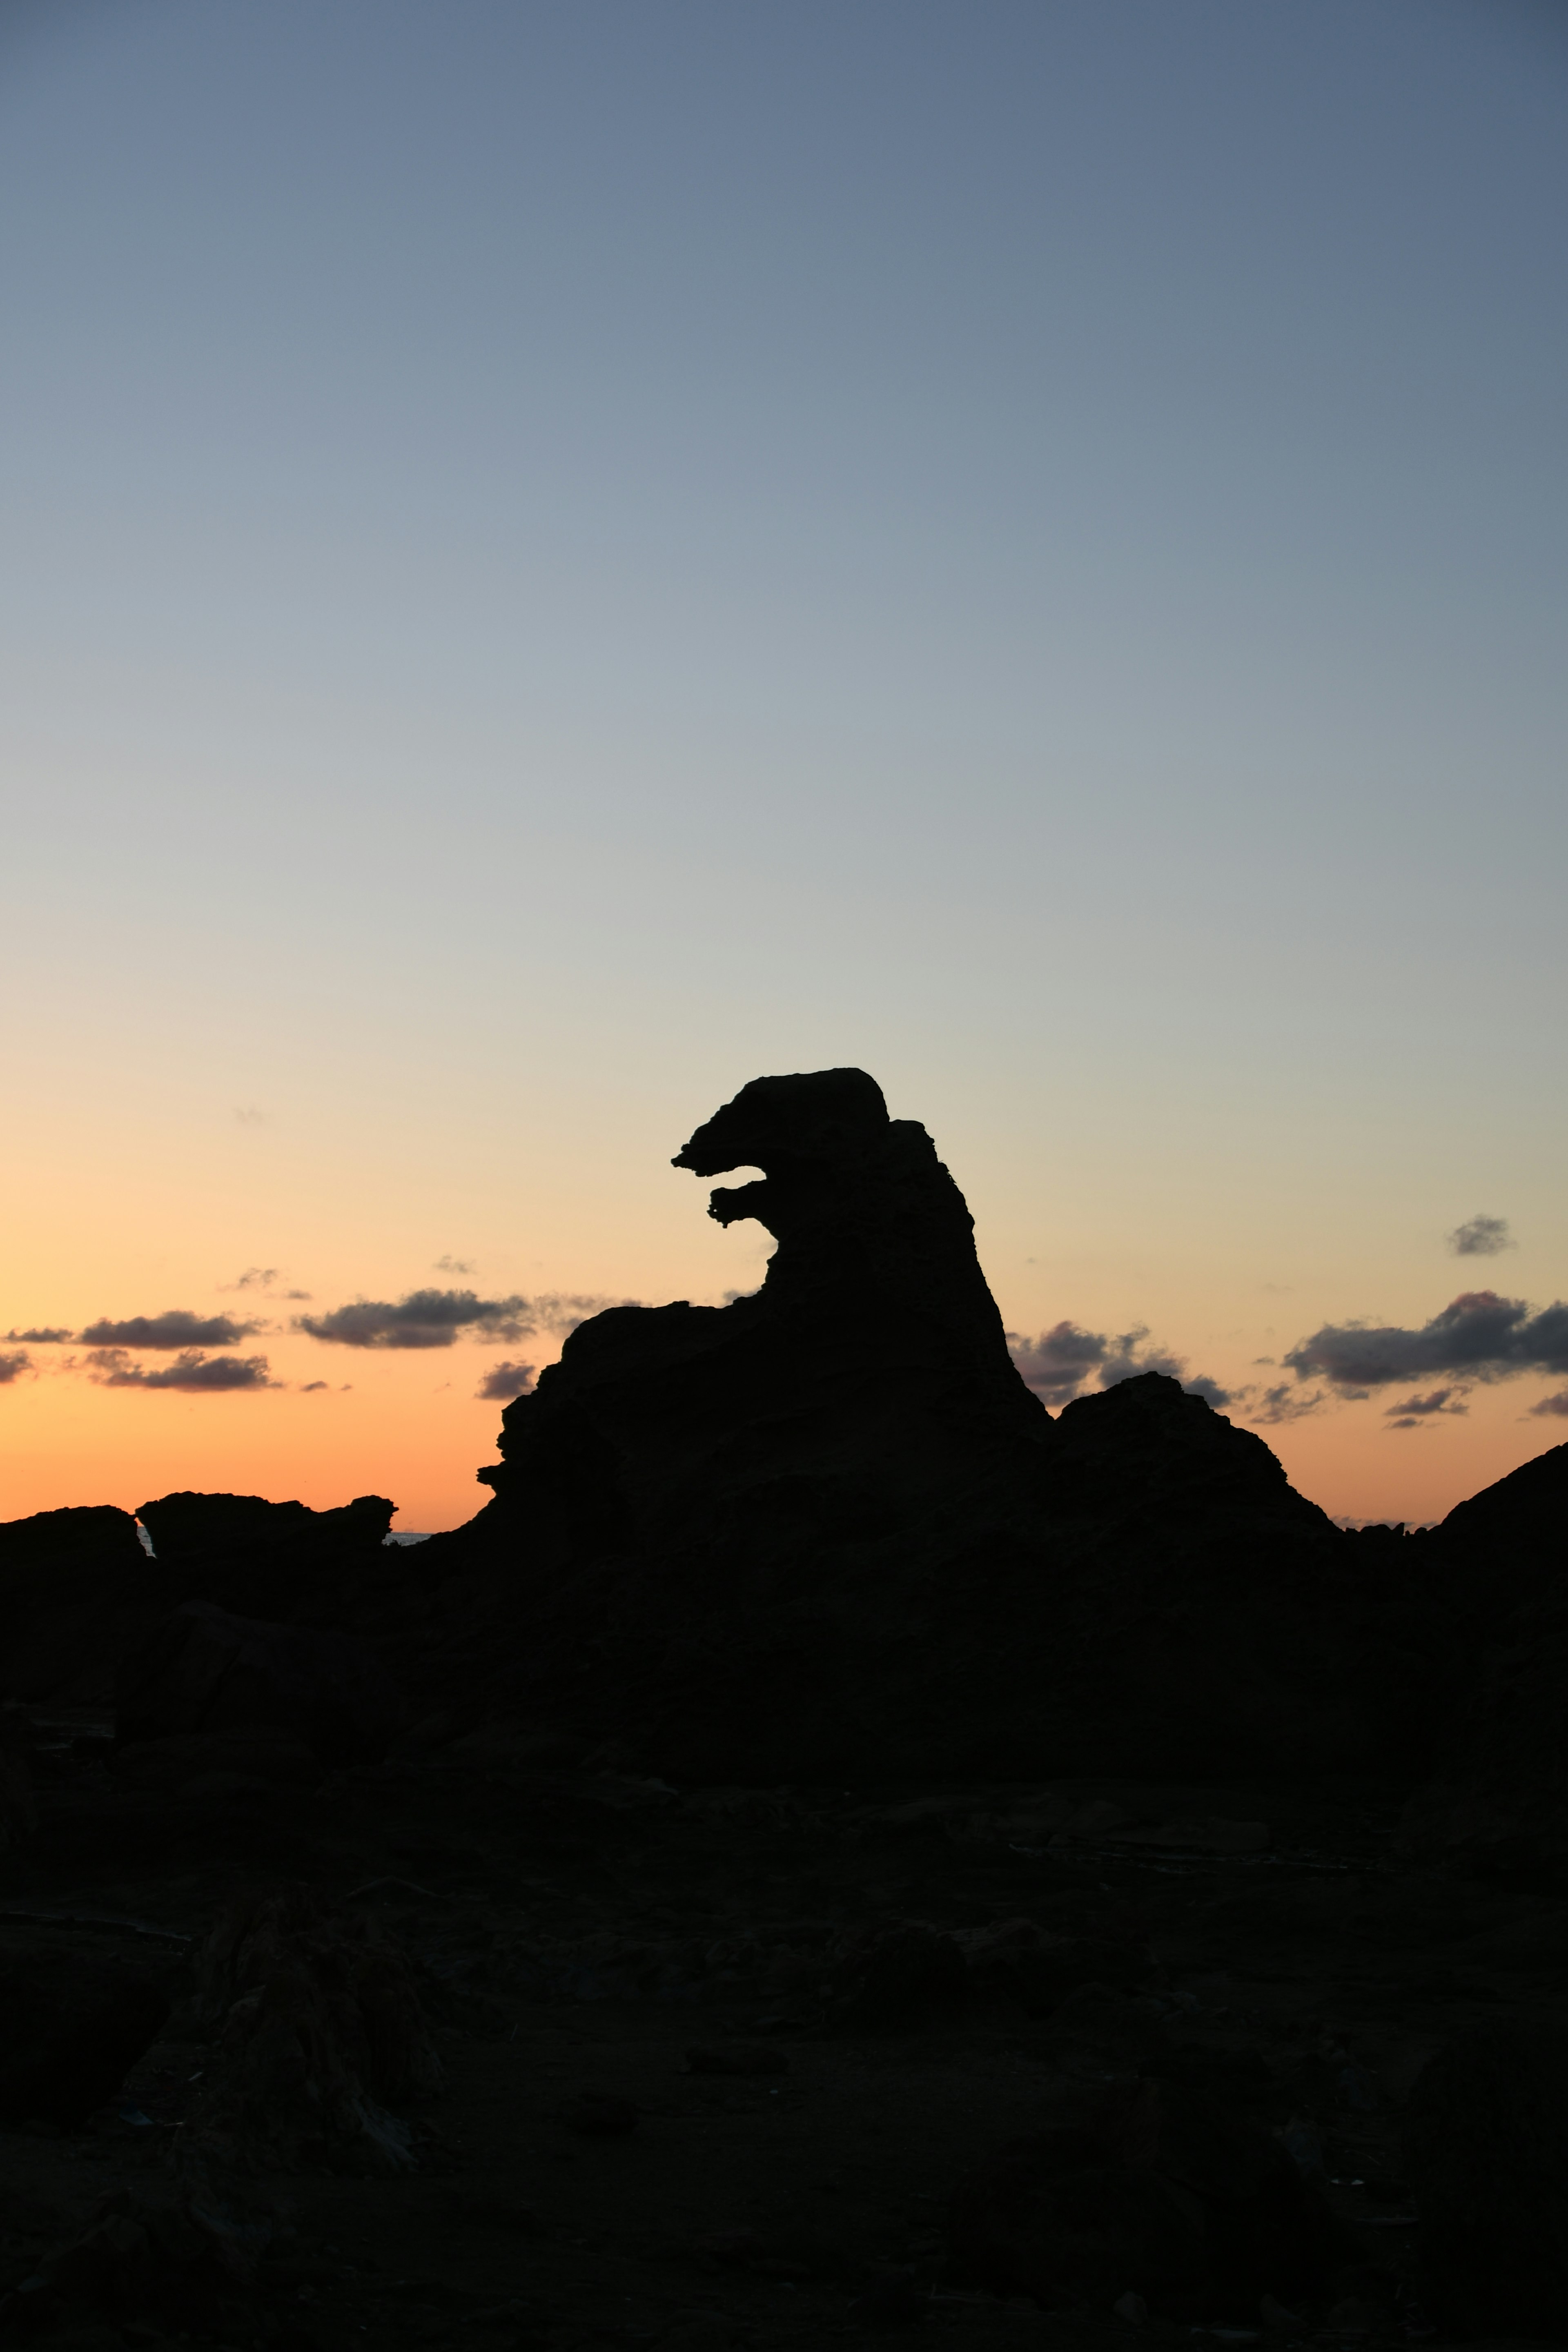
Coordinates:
[299,1294]
[308,1388]
[426,1319]
[176,1327]
[255,1278]
[1287,1403]
[1550,1408]
[1481,1237]
[504,1382]
[1210,1391]
[1478,1334]
[453,1265]
[42,1338]
[12,1367]
[1415,1412]
[194,1373]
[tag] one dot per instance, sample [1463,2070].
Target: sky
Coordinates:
[556,559]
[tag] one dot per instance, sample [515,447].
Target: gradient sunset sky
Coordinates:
[557,557]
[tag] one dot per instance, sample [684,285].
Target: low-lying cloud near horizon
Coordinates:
[175,1327]
[439,1318]
[1480,1333]
[195,1373]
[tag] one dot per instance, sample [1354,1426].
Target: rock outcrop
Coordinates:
[204,1676]
[826,1529]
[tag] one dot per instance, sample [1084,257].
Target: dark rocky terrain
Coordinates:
[828,1848]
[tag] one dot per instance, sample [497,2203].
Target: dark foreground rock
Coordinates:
[1159,2191]
[206,1674]
[320,2033]
[1486,2146]
[72,2023]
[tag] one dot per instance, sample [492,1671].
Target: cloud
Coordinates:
[1481,1237]
[1478,1334]
[1286,1404]
[562,1311]
[250,1117]
[255,1278]
[40,1338]
[1059,1362]
[195,1374]
[435,1318]
[453,1265]
[13,1367]
[1058,1365]
[1416,1411]
[426,1319]
[504,1382]
[308,1388]
[1552,1407]
[176,1327]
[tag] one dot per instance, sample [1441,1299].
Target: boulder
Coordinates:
[202,1671]
[1486,2151]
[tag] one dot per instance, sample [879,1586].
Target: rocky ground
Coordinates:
[730,2066]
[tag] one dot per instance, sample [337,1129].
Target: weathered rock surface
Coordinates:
[1486,2146]
[203,1673]
[321,2031]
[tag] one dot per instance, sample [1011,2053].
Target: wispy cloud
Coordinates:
[1420,1411]
[425,1318]
[43,1338]
[13,1367]
[1552,1407]
[1284,1402]
[504,1382]
[194,1373]
[453,1265]
[1478,1334]
[1481,1237]
[437,1318]
[175,1327]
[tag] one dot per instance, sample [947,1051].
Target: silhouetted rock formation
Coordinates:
[866,1378]
[69,1595]
[1494,1581]
[186,1527]
[826,1529]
